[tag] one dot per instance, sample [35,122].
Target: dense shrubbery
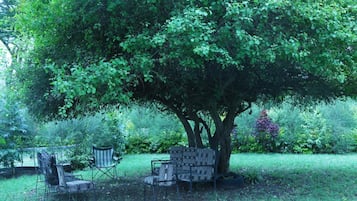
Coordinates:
[102,129]
[150,131]
[16,130]
[130,130]
[324,128]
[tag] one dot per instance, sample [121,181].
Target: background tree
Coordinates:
[7,13]
[206,61]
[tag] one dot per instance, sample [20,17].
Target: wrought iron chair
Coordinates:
[48,173]
[165,178]
[104,162]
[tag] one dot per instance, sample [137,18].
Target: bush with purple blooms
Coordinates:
[266,132]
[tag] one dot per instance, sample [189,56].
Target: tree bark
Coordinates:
[197,132]
[225,151]
[222,138]
[189,132]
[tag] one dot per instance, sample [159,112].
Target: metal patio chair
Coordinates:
[72,187]
[200,166]
[48,174]
[166,178]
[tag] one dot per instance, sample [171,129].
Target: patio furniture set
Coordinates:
[58,179]
[186,164]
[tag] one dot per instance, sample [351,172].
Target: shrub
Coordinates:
[137,143]
[102,129]
[151,131]
[321,128]
[266,133]
[162,142]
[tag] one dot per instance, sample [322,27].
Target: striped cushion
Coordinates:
[103,157]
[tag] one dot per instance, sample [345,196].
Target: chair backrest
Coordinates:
[41,163]
[205,163]
[206,157]
[103,157]
[176,156]
[61,176]
[166,174]
[49,168]
[188,158]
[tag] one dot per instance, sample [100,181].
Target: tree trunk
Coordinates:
[224,152]
[189,132]
[197,132]
[222,139]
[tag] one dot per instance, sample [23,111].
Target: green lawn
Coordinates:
[267,177]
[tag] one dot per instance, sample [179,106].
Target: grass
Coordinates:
[267,177]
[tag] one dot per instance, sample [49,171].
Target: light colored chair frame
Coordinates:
[73,186]
[165,178]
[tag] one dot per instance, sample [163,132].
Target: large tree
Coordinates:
[205,60]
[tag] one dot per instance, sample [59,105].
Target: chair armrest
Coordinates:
[117,158]
[91,161]
[155,165]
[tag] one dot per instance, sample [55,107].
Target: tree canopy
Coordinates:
[201,59]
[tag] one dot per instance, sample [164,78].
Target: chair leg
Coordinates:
[154,193]
[215,185]
[190,187]
[115,173]
[178,191]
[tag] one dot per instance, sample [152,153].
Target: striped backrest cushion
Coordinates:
[103,157]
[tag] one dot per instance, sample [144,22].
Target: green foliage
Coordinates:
[320,128]
[149,131]
[102,129]
[16,129]
[189,57]
[7,35]
[8,157]
[138,144]
[224,41]
[136,129]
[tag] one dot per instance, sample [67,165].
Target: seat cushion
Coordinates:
[151,180]
[79,185]
[195,177]
[155,180]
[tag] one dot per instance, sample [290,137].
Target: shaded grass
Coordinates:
[300,177]
[267,177]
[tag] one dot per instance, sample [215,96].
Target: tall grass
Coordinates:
[276,176]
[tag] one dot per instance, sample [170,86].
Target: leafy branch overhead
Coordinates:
[198,59]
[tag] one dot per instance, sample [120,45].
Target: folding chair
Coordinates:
[104,162]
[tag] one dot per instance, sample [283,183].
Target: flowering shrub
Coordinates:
[266,132]
[264,124]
